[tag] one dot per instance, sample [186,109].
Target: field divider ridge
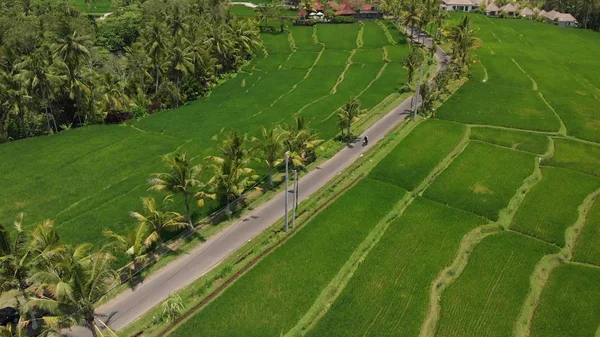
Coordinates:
[547,133]
[341,77]
[359,36]
[386,32]
[542,270]
[563,129]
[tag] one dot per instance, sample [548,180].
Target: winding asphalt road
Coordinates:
[131,304]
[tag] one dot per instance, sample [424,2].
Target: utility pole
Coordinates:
[417,94]
[287,156]
[295,199]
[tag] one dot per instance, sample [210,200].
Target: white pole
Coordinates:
[417,94]
[295,199]
[286,191]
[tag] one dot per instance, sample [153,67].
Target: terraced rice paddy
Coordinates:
[107,167]
[501,235]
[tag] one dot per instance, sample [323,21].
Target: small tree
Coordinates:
[347,115]
[172,308]
[412,62]
[157,219]
[182,178]
[271,146]
[135,244]
[428,97]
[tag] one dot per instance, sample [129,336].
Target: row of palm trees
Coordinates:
[56,286]
[63,76]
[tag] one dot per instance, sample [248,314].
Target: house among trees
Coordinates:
[509,9]
[343,8]
[565,20]
[459,5]
[492,10]
[527,13]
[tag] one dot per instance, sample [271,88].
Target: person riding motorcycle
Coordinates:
[365,140]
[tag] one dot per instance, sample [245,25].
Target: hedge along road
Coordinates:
[132,303]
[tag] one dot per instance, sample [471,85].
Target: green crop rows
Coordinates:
[523,141]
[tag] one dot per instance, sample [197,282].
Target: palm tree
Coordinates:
[347,115]
[158,220]
[182,178]
[155,47]
[245,35]
[112,94]
[301,142]
[463,40]
[38,76]
[270,147]
[176,21]
[428,96]
[231,174]
[264,14]
[412,62]
[135,243]
[180,62]
[222,46]
[411,15]
[68,291]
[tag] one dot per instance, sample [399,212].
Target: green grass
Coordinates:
[551,205]
[576,156]
[90,178]
[569,303]
[243,11]
[487,297]
[523,141]
[271,297]
[587,248]
[373,35]
[482,179]
[389,293]
[392,79]
[338,36]
[416,156]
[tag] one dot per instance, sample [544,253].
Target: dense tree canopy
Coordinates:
[60,68]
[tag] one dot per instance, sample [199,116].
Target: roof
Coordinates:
[333,5]
[566,17]
[345,9]
[543,13]
[318,6]
[366,7]
[552,14]
[508,8]
[302,12]
[526,12]
[492,8]
[458,2]
[536,10]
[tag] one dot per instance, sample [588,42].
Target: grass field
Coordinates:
[389,293]
[416,156]
[271,297]
[576,156]
[486,299]
[523,141]
[569,303]
[552,204]
[482,179]
[90,178]
[587,248]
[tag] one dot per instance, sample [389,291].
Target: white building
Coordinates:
[459,5]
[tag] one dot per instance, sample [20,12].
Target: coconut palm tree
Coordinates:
[158,220]
[410,17]
[135,243]
[347,115]
[428,96]
[412,62]
[112,94]
[271,147]
[68,291]
[301,142]
[182,178]
[39,78]
[180,62]
[177,21]
[463,40]
[231,174]
[222,46]
[155,46]
[246,36]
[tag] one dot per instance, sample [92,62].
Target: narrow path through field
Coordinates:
[131,304]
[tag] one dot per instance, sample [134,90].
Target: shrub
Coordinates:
[343,19]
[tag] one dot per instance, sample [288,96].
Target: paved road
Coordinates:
[130,305]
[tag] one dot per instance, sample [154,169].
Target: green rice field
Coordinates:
[569,303]
[107,167]
[464,257]
[482,179]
